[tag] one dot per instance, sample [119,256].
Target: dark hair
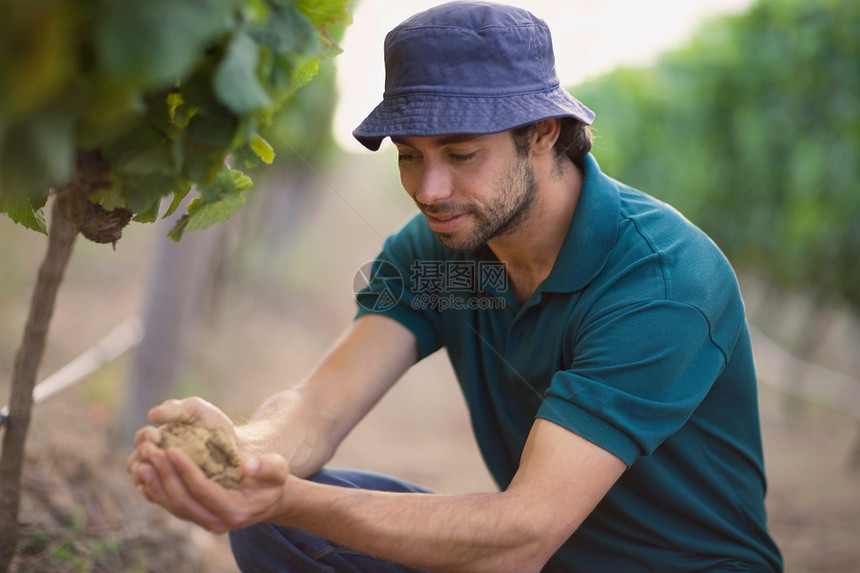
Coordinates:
[573,141]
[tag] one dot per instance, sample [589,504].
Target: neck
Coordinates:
[529,252]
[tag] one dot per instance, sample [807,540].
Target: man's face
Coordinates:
[470,188]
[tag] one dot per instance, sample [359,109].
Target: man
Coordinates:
[607,368]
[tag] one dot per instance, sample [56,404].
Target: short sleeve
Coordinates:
[637,376]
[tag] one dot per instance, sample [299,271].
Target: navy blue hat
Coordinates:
[468,67]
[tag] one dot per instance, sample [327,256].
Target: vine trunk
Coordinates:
[61,239]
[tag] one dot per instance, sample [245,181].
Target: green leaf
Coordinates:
[256,11]
[303,74]
[216,129]
[247,156]
[202,215]
[179,112]
[178,195]
[328,12]
[288,31]
[209,139]
[52,141]
[235,82]
[241,182]
[37,154]
[174,100]
[23,213]
[131,144]
[155,159]
[150,215]
[216,202]
[226,181]
[221,184]
[263,149]
[142,190]
[110,111]
[152,43]
[111,197]
[36,54]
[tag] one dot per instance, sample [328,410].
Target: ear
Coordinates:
[546,134]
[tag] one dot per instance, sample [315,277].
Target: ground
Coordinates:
[278,314]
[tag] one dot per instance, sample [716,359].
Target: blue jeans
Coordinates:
[267,548]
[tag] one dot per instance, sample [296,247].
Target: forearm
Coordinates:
[284,424]
[494,532]
[306,423]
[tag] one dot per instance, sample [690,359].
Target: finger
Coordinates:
[159,483]
[206,491]
[171,411]
[131,466]
[143,469]
[183,481]
[146,434]
[229,509]
[140,455]
[144,474]
[216,508]
[268,468]
[147,483]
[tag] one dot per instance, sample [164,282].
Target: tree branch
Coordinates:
[61,239]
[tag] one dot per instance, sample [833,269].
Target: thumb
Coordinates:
[271,468]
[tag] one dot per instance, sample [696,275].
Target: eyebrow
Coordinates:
[443,139]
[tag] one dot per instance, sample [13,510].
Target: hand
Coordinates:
[172,480]
[192,411]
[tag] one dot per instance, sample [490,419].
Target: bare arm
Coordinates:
[560,480]
[307,422]
[297,429]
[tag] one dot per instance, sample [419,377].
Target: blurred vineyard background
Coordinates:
[751,130]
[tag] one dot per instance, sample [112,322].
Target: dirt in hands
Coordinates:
[214,451]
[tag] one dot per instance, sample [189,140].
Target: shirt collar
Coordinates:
[592,234]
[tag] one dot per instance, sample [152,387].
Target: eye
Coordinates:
[462,157]
[406,157]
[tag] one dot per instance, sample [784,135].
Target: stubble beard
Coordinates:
[517,189]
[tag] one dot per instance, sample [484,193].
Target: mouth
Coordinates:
[445,223]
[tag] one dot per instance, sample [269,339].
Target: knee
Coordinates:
[242,543]
[251,547]
[268,548]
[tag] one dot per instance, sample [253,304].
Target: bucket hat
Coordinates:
[468,67]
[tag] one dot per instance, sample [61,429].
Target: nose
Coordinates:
[434,184]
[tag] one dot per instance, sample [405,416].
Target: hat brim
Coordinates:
[433,114]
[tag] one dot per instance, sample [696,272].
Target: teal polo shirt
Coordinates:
[636,341]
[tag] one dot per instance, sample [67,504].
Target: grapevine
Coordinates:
[163,95]
[111,107]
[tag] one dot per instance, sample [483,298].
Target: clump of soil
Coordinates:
[214,451]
